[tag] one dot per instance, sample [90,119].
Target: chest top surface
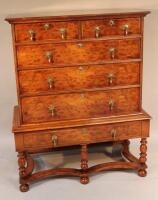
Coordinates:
[74,14]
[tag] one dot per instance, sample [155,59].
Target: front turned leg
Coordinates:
[84,179]
[22,162]
[143,158]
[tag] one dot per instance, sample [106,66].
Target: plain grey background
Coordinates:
[113,185]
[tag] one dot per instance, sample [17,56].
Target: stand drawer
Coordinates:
[86,135]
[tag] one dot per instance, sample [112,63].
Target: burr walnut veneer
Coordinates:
[79,82]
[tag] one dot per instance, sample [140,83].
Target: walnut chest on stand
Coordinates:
[79,82]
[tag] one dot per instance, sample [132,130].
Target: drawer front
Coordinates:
[77,78]
[76,136]
[77,53]
[77,106]
[46,31]
[110,27]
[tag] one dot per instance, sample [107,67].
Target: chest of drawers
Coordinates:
[79,82]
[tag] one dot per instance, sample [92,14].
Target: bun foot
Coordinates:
[24,187]
[142,172]
[84,180]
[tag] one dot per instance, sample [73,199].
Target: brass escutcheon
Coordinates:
[111,22]
[47,26]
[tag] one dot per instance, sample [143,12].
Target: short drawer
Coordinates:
[78,78]
[111,27]
[80,105]
[76,53]
[46,31]
[86,135]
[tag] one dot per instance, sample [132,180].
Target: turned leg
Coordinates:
[23,166]
[84,179]
[143,157]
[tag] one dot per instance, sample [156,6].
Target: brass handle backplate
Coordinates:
[63,33]
[49,56]
[52,110]
[113,133]
[126,29]
[54,140]
[111,105]
[112,53]
[97,31]
[32,35]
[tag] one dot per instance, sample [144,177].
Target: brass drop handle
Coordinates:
[54,140]
[63,33]
[111,22]
[47,26]
[49,56]
[126,29]
[50,82]
[110,78]
[112,53]
[97,31]
[52,110]
[32,35]
[113,133]
[111,105]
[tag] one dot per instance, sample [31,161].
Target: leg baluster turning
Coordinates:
[84,179]
[25,168]
[143,157]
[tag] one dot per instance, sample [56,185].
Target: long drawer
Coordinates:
[79,105]
[78,78]
[83,135]
[77,53]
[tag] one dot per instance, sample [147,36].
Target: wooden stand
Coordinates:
[26,166]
